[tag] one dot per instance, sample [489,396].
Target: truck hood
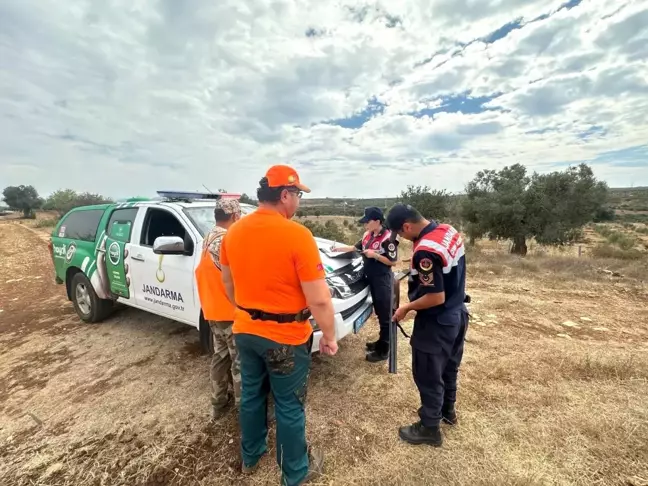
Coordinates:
[332,263]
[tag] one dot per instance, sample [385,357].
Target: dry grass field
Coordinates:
[553,388]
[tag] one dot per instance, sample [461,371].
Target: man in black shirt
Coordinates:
[437,292]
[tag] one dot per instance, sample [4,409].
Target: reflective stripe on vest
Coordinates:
[444,241]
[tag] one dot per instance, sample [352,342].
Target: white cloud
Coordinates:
[126,97]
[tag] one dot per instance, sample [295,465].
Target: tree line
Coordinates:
[26,199]
[506,204]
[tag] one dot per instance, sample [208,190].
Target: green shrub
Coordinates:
[633,217]
[329,231]
[625,242]
[46,223]
[602,230]
[605,250]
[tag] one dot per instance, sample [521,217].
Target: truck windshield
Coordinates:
[203,216]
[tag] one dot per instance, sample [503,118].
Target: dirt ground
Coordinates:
[553,387]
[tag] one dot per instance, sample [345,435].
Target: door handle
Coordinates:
[138,257]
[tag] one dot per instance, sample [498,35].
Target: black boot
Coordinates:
[420,434]
[449,415]
[371,346]
[380,353]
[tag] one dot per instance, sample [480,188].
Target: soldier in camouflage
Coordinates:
[225,370]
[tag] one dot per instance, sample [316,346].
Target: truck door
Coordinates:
[165,282]
[117,251]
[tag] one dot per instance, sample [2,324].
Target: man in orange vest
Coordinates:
[219,311]
[272,269]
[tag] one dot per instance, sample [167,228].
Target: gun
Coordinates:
[394,325]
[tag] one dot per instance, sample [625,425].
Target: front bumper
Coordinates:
[346,312]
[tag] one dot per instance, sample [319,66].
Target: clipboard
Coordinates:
[347,255]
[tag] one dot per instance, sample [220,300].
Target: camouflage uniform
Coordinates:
[225,372]
[225,366]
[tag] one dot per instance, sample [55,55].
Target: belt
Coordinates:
[259,315]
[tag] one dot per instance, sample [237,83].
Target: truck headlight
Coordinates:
[338,288]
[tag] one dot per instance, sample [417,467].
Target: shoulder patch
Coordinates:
[425,264]
[427,279]
[391,247]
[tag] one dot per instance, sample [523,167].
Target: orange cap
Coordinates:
[284,175]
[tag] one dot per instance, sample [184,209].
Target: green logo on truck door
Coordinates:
[116,268]
[69,255]
[114,253]
[159,274]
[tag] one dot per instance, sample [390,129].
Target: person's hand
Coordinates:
[370,253]
[401,313]
[327,346]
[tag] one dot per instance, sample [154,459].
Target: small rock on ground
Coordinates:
[569,324]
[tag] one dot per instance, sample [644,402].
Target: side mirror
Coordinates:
[169,245]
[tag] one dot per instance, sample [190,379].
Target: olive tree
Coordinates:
[509,204]
[22,198]
[431,204]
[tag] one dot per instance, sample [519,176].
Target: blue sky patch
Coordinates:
[503,31]
[373,108]
[636,156]
[462,103]
[593,132]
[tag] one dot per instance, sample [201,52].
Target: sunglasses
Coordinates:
[297,192]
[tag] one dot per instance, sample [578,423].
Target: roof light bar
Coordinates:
[188,196]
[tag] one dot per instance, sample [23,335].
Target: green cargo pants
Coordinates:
[287,368]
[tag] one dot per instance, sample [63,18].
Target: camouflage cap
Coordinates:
[228,206]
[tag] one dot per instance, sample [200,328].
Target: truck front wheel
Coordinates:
[88,306]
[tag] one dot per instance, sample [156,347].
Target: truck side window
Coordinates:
[81,225]
[120,225]
[161,223]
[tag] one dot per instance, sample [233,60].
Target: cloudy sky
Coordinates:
[126,97]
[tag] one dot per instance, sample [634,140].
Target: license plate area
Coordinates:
[361,320]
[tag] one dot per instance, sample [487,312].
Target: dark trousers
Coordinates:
[380,287]
[435,369]
[268,366]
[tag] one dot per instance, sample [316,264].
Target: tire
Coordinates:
[206,340]
[88,306]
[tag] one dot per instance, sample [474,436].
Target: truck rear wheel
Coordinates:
[87,304]
[206,339]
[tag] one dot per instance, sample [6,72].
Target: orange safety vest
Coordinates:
[211,290]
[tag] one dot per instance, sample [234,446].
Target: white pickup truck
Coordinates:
[143,253]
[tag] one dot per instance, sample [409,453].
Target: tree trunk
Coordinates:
[519,246]
[471,241]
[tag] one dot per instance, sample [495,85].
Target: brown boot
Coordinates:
[218,413]
[250,469]
[315,465]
